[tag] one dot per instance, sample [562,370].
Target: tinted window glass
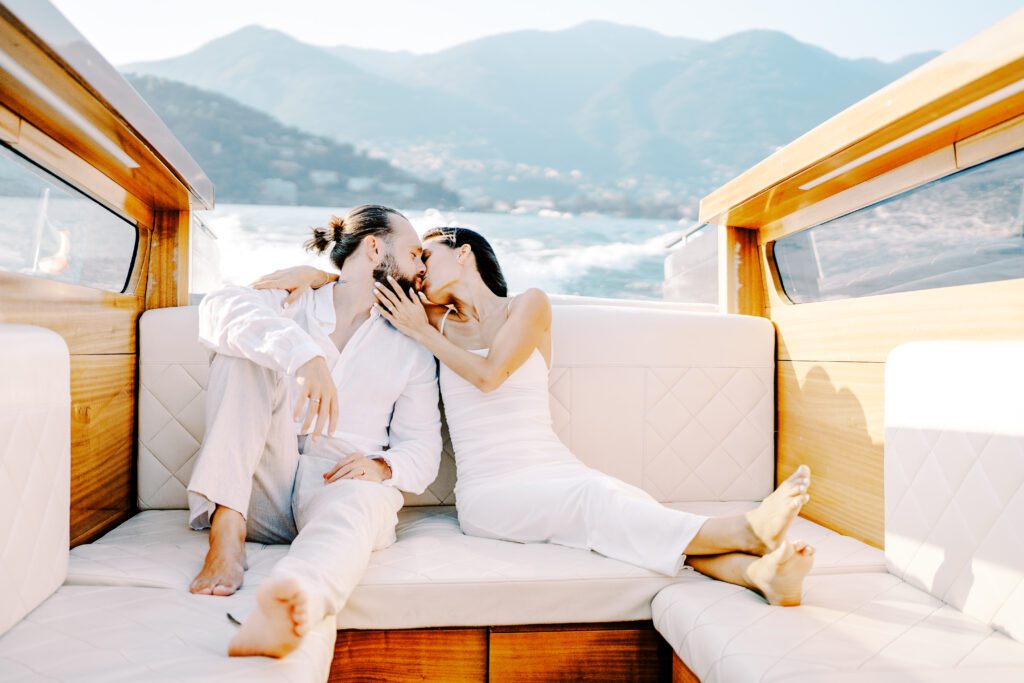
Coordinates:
[49,229]
[962,229]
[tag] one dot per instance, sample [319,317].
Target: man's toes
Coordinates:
[223,589]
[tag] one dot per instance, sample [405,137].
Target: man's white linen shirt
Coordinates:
[386,382]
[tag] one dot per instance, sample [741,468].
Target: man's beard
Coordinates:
[386,267]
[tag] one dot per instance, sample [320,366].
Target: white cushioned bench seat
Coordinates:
[867,624]
[951,605]
[114,634]
[95,634]
[435,575]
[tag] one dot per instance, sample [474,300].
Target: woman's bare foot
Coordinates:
[224,567]
[779,575]
[769,522]
[278,624]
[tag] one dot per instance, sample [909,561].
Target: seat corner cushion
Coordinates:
[872,624]
[121,634]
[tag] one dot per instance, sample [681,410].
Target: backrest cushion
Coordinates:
[678,403]
[35,468]
[954,475]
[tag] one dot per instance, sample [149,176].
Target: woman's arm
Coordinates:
[295,280]
[529,319]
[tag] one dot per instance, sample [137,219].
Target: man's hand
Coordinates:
[318,395]
[357,466]
[295,280]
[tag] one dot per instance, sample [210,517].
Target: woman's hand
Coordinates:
[295,280]
[357,466]
[404,311]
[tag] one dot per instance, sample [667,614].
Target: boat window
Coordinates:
[965,228]
[49,229]
[204,260]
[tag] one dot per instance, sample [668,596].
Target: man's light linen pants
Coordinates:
[249,462]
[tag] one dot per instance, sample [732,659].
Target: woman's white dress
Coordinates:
[517,481]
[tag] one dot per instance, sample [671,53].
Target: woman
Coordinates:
[516,480]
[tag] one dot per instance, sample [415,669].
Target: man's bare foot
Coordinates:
[224,567]
[769,522]
[277,625]
[779,575]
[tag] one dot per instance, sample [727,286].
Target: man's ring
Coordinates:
[362,473]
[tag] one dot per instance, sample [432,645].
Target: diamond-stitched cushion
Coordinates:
[678,403]
[35,467]
[874,625]
[954,475]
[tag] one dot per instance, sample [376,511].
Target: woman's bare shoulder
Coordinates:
[532,302]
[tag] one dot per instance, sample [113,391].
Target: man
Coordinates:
[361,385]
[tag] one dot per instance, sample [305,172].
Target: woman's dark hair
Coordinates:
[347,233]
[486,261]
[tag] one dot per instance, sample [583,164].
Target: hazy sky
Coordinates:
[134,30]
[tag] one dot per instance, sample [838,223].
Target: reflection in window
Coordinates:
[49,229]
[965,228]
[204,260]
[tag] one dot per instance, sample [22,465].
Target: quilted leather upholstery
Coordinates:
[35,467]
[434,575]
[865,627]
[954,592]
[690,396]
[127,635]
[954,475]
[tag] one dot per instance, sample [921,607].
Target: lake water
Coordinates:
[586,255]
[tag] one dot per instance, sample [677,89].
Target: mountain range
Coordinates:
[253,158]
[597,110]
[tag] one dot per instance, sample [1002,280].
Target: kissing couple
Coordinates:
[322,408]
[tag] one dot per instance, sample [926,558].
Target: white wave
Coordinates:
[253,241]
[246,253]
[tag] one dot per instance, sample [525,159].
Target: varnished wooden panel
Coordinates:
[168,260]
[990,143]
[831,418]
[455,655]
[587,652]
[102,440]
[741,286]
[90,320]
[866,329]
[929,167]
[10,125]
[681,673]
